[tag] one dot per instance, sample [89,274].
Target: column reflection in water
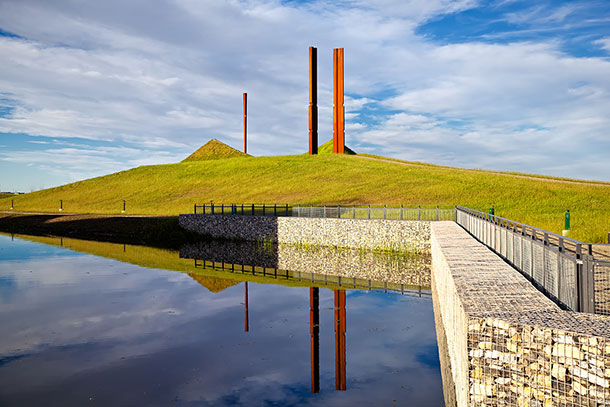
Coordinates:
[340,339]
[314,329]
[246,324]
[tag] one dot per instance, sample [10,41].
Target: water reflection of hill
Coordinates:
[143,256]
[213,264]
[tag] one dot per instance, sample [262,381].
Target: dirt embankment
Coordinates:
[159,231]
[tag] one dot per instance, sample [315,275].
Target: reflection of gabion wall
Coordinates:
[410,269]
[511,345]
[354,233]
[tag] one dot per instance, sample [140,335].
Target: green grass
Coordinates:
[327,148]
[214,150]
[6,195]
[332,179]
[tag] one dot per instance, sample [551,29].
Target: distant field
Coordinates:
[332,179]
[6,195]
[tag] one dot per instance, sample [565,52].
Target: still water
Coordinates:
[80,329]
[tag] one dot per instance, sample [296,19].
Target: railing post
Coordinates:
[286,209]
[298,210]
[252,209]
[195,209]
[212,208]
[324,213]
[242,209]
[400,211]
[263,209]
[222,209]
[418,212]
[354,214]
[384,212]
[274,209]
[369,211]
[455,218]
[560,250]
[339,211]
[437,217]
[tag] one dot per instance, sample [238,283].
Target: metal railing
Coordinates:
[574,274]
[329,211]
[317,279]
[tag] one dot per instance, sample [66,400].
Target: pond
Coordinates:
[117,325]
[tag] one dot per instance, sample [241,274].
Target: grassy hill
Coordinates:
[333,179]
[327,148]
[214,150]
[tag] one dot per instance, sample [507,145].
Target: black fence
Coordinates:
[328,211]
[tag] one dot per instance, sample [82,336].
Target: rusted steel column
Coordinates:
[338,100]
[314,330]
[245,122]
[246,319]
[313,100]
[340,340]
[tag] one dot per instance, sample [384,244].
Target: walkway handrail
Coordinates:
[328,211]
[565,269]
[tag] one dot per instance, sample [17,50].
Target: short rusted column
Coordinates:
[313,100]
[245,122]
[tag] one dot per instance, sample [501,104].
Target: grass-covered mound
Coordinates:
[332,179]
[327,148]
[214,150]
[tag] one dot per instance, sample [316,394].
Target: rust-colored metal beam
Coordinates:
[245,122]
[338,101]
[246,318]
[314,330]
[313,100]
[340,340]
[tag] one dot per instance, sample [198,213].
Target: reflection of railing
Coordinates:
[573,273]
[315,279]
[328,211]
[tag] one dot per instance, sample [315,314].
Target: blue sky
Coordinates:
[88,88]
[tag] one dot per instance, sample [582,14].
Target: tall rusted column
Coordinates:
[313,100]
[246,319]
[338,108]
[340,340]
[314,330]
[245,122]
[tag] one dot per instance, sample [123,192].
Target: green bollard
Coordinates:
[491,212]
[567,220]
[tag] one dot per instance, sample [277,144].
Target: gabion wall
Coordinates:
[508,344]
[353,233]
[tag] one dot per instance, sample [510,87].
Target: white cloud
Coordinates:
[604,43]
[121,74]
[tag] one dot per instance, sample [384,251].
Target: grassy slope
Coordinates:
[6,195]
[174,188]
[214,150]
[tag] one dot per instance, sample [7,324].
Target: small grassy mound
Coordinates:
[327,148]
[214,150]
